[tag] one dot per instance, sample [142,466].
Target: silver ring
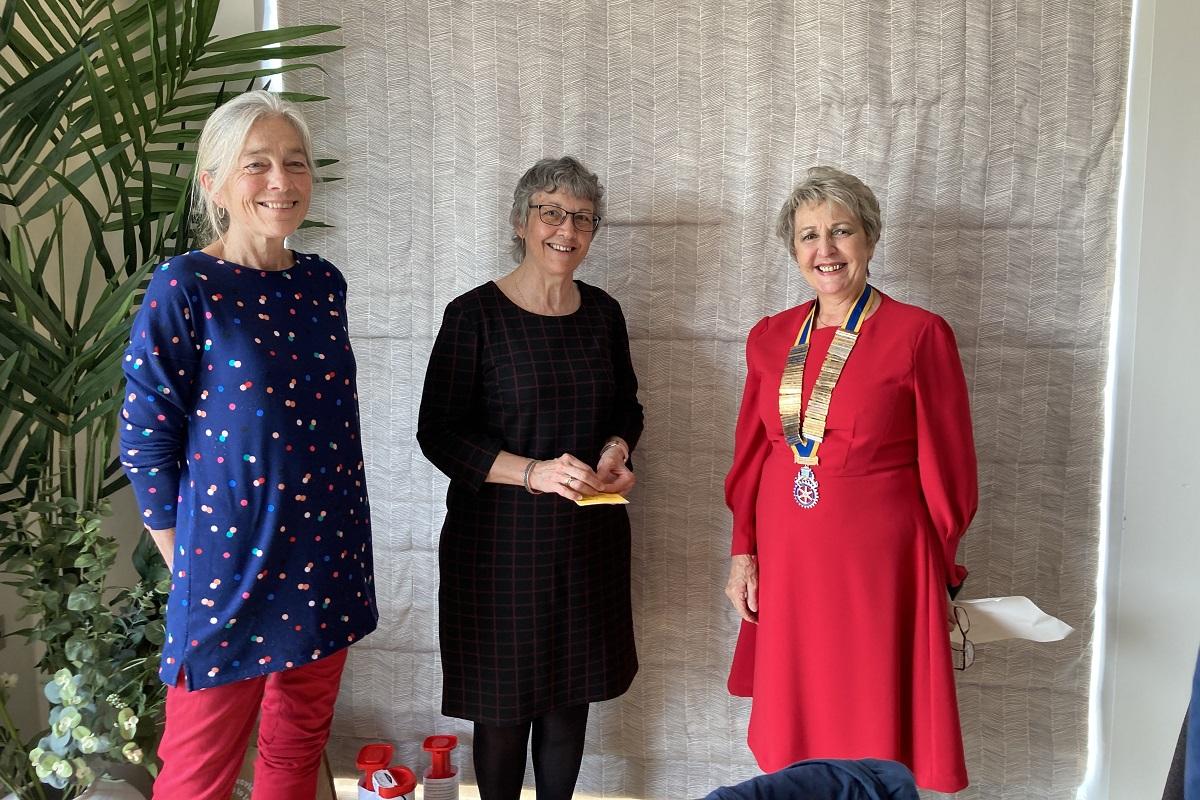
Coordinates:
[570,480]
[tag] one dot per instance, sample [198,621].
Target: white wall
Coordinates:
[1153,586]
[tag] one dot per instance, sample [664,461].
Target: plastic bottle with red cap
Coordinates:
[380,780]
[441,781]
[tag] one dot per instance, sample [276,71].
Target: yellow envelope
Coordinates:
[604,498]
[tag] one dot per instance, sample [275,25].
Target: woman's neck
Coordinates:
[832,309]
[265,254]
[536,291]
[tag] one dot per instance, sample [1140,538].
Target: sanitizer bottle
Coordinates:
[380,781]
[441,781]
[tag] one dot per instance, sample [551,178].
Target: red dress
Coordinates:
[850,657]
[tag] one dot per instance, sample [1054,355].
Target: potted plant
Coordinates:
[100,106]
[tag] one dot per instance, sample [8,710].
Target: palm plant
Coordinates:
[101,103]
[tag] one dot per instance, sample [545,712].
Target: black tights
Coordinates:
[499,752]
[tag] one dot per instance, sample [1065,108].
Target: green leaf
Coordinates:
[209,100]
[206,16]
[16,440]
[107,344]
[28,54]
[237,57]
[131,74]
[34,148]
[48,77]
[149,245]
[104,113]
[92,218]
[250,74]
[44,29]
[32,375]
[173,184]
[58,192]
[171,156]
[98,175]
[185,136]
[30,460]
[147,560]
[109,408]
[120,89]
[38,413]
[83,599]
[7,17]
[84,560]
[115,485]
[248,41]
[183,52]
[81,651]
[158,60]
[184,117]
[20,333]
[13,278]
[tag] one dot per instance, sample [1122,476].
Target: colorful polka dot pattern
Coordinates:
[240,428]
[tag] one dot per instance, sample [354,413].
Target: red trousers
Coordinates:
[207,732]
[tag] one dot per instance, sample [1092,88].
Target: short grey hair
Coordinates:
[221,142]
[550,175]
[830,185]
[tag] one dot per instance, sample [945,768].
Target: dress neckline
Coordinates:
[496,287]
[225,262]
[830,329]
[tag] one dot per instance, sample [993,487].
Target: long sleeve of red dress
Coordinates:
[945,445]
[750,451]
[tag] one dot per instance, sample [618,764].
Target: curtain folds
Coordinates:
[991,131]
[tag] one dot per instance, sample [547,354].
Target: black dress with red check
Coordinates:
[534,608]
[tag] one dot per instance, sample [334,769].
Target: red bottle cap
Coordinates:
[372,757]
[439,748]
[406,782]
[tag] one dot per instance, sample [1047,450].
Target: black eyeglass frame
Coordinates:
[962,656]
[590,219]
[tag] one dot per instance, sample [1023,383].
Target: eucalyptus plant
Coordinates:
[101,103]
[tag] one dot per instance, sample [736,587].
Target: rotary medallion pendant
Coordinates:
[806,491]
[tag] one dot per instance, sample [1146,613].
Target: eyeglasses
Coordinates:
[556,215]
[962,655]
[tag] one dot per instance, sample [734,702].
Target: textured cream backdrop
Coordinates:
[991,132]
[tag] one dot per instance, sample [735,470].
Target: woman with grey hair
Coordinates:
[240,436]
[530,408]
[853,480]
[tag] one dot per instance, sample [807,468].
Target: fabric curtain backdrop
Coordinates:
[991,131]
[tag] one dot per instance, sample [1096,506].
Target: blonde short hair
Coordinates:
[830,185]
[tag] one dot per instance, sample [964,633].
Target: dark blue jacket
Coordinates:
[827,779]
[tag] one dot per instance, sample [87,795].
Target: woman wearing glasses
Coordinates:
[852,482]
[530,403]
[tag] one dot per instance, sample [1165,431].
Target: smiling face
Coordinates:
[556,250]
[268,190]
[832,250]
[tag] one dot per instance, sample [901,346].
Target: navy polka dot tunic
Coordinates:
[240,429]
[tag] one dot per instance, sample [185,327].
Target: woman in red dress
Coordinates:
[852,482]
